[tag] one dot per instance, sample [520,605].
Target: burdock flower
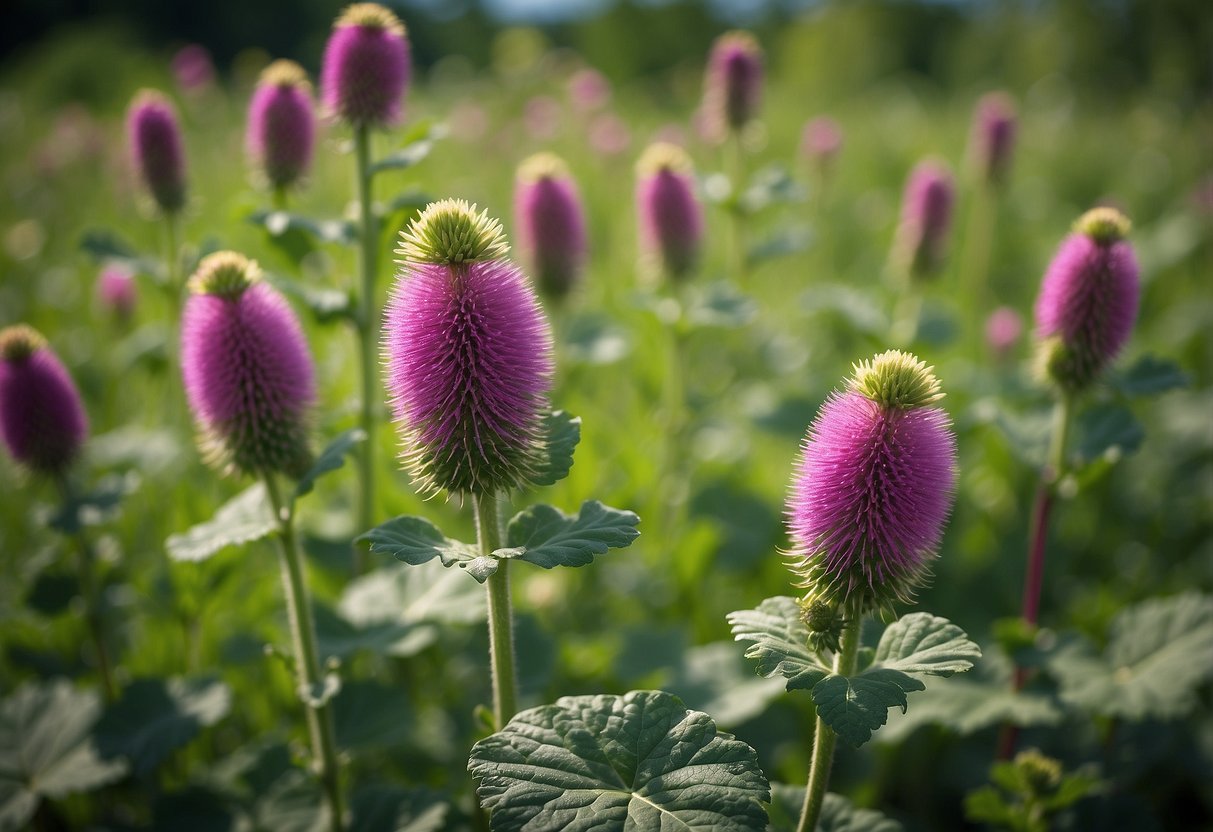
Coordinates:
[156,149]
[550,223]
[248,374]
[732,88]
[1088,300]
[926,218]
[993,139]
[468,354]
[117,292]
[873,488]
[281,124]
[42,421]
[366,66]
[670,216]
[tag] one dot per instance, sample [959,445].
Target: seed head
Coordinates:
[366,66]
[157,153]
[42,419]
[281,124]
[550,223]
[732,89]
[450,232]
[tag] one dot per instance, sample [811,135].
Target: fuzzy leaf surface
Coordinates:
[547,537]
[780,642]
[416,540]
[242,519]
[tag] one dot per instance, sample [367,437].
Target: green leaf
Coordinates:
[155,717]
[714,679]
[338,637]
[1026,433]
[1150,376]
[859,308]
[855,706]
[242,519]
[1107,431]
[595,340]
[293,804]
[782,243]
[966,706]
[368,716]
[416,540]
[1155,662]
[425,594]
[563,432]
[718,305]
[780,642]
[46,749]
[327,304]
[106,246]
[418,145]
[768,186]
[296,234]
[96,506]
[640,762]
[925,643]
[393,809]
[332,458]
[837,813]
[548,537]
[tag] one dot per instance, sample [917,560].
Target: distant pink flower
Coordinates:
[821,141]
[609,135]
[1003,329]
[156,148]
[671,134]
[366,66]
[668,211]
[542,117]
[75,136]
[117,292]
[469,121]
[589,90]
[281,124]
[193,69]
[550,223]
[993,138]
[732,90]
[42,419]
[926,219]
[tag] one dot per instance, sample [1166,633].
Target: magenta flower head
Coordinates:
[550,223]
[820,143]
[366,66]
[873,487]
[993,139]
[117,292]
[281,124]
[248,374]
[1088,300]
[926,219]
[732,89]
[42,421]
[468,354]
[156,149]
[193,69]
[669,213]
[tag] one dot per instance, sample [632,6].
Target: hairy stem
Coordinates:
[367,334]
[501,617]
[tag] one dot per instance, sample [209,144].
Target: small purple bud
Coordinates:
[1003,329]
[281,124]
[873,488]
[156,149]
[541,115]
[366,66]
[1088,300]
[247,371]
[550,223]
[42,420]
[670,216]
[820,143]
[926,219]
[193,69]
[732,89]
[609,135]
[589,90]
[117,292]
[993,139]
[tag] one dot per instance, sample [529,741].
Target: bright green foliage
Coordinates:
[547,537]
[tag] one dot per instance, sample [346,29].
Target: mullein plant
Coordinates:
[551,226]
[250,384]
[157,152]
[364,77]
[870,495]
[281,133]
[920,245]
[43,425]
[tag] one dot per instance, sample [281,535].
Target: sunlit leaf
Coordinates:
[780,642]
[547,537]
[246,517]
[416,540]
[563,432]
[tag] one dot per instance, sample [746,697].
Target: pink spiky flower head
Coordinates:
[926,220]
[1088,300]
[993,138]
[873,487]
[248,374]
[366,66]
[669,213]
[468,352]
[820,142]
[42,420]
[156,148]
[732,90]
[117,292]
[281,124]
[550,223]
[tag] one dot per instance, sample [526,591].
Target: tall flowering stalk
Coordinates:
[250,384]
[281,132]
[551,224]
[921,242]
[468,356]
[158,158]
[669,213]
[364,77]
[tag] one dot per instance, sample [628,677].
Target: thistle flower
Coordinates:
[248,374]
[550,223]
[366,66]
[156,149]
[1088,300]
[468,354]
[281,124]
[993,138]
[732,88]
[820,142]
[42,420]
[926,219]
[117,292]
[873,487]
[670,216]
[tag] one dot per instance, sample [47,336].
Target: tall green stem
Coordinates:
[824,738]
[501,618]
[307,659]
[367,333]
[173,257]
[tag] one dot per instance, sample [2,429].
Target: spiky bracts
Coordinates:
[1088,300]
[992,142]
[281,125]
[366,66]
[669,213]
[248,374]
[732,89]
[156,148]
[926,220]
[469,356]
[550,223]
[42,419]
[873,488]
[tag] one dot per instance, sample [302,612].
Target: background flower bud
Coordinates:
[366,66]
[550,223]
[281,124]
[156,149]
[926,219]
[732,83]
[117,292]
[42,419]
[669,213]
[993,139]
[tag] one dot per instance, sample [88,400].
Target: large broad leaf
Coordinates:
[392,809]
[780,642]
[1157,658]
[338,637]
[966,706]
[594,339]
[712,678]
[563,433]
[547,537]
[332,458]
[155,717]
[1149,376]
[46,749]
[925,643]
[1109,430]
[417,595]
[416,540]
[242,519]
[639,762]
[837,813]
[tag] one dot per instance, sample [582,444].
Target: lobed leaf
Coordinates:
[547,537]
[1150,376]
[925,643]
[416,540]
[242,519]
[330,459]
[780,642]
[563,432]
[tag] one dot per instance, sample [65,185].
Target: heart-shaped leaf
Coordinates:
[547,537]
